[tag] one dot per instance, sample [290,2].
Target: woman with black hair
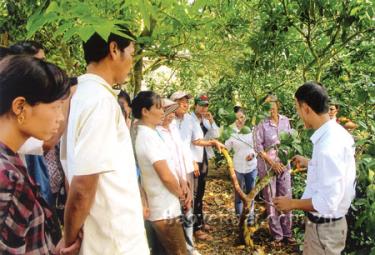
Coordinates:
[164,194]
[124,100]
[267,137]
[31,104]
[31,48]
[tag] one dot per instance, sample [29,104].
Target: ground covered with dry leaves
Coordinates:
[219,209]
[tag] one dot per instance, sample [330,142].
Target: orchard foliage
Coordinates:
[237,52]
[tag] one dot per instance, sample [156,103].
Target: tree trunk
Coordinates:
[138,70]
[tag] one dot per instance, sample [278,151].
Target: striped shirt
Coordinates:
[25,219]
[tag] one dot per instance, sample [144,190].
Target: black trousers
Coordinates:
[199,188]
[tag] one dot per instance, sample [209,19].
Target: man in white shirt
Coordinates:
[330,186]
[104,198]
[199,130]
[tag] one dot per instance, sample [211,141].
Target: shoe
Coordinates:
[195,252]
[202,236]
[289,240]
[277,243]
[251,221]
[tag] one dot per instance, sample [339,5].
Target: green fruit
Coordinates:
[344,78]
[245,130]
[201,46]
[370,175]
[200,73]
[230,118]
[227,132]
[284,137]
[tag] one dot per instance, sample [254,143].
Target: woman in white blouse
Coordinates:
[183,167]
[165,197]
[244,160]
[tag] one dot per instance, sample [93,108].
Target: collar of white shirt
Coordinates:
[99,79]
[321,131]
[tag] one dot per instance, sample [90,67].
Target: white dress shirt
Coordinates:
[97,141]
[181,161]
[150,148]
[331,171]
[191,130]
[242,146]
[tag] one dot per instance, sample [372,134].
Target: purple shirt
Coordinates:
[267,135]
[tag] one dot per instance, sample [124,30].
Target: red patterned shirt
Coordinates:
[25,219]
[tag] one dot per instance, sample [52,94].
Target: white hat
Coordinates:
[180,94]
[169,106]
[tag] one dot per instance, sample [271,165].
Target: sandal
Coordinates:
[200,235]
[277,243]
[208,228]
[290,240]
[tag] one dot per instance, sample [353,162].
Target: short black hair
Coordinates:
[4,52]
[96,48]
[144,99]
[237,109]
[34,79]
[314,95]
[123,94]
[331,102]
[73,81]
[26,47]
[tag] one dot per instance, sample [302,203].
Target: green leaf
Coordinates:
[298,148]
[53,7]
[35,24]
[355,10]
[294,133]
[104,30]
[266,107]
[145,10]
[362,124]
[86,32]
[61,29]
[117,32]
[69,33]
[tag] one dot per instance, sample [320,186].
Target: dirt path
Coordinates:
[220,214]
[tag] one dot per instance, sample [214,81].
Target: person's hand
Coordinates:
[73,249]
[250,157]
[219,146]
[300,161]
[278,167]
[146,212]
[188,200]
[196,169]
[283,204]
[209,117]
[185,188]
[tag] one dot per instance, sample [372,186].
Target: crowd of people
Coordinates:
[85,169]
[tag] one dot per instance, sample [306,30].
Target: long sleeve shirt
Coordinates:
[267,136]
[331,171]
[25,219]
